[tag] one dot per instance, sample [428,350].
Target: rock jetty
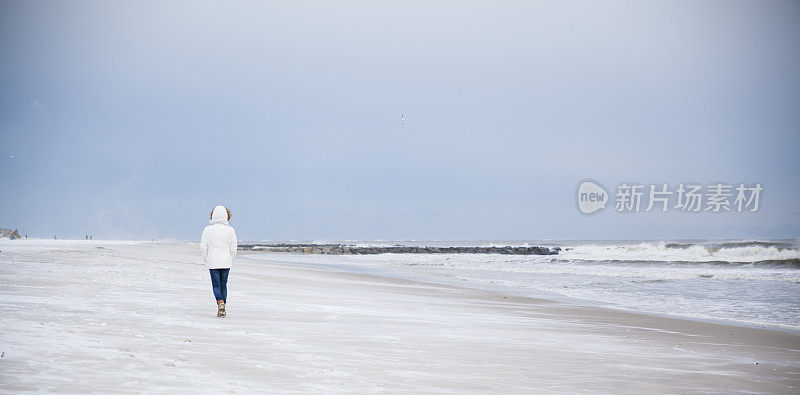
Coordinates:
[342,249]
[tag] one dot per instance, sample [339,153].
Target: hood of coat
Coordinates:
[219,216]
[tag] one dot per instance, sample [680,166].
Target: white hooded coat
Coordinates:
[218,242]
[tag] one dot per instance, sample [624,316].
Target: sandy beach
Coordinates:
[101,316]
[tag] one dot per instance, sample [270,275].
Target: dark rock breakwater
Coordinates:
[342,249]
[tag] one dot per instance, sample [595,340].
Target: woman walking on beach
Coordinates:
[218,244]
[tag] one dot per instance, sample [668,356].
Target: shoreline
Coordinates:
[521,277]
[550,297]
[247,247]
[306,328]
[559,298]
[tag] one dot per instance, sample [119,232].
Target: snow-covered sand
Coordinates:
[139,316]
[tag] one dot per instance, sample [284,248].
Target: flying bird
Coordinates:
[11,156]
[402,119]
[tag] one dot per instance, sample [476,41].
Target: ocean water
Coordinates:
[745,282]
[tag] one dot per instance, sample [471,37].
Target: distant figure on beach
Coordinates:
[219,244]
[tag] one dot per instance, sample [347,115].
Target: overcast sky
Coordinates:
[132,120]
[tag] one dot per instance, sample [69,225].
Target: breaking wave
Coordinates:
[734,244]
[755,253]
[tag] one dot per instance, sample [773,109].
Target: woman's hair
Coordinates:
[226,209]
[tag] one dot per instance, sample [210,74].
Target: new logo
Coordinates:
[591,197]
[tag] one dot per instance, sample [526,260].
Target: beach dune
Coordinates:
[140,316]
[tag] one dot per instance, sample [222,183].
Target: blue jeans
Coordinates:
[219,283]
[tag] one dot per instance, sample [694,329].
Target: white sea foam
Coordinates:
[660,252]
